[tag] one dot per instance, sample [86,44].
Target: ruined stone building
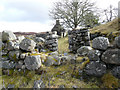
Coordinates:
[59,29]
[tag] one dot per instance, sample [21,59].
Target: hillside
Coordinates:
[108,27]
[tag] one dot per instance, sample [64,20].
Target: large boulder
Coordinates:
[27,44]
[8,36]
[14,55]
[116,72]
[94,55]
[95,68]
[111,56]
[32,62]
[117,41]
[100,43]
[83,51]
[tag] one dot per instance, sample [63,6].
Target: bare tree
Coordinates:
[110,13]
[71,12]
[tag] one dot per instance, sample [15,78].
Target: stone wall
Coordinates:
[78,38]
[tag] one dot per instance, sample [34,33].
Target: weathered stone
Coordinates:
[23,55]
[27,44]
[8,64]
[10,45]
[8,36]
[39,39]
[57,60]
[94,55]
[32,62]
[111,56]
[116,72]
[83,51]
[54,53]
[20,38]
[39,84]
[100,43]
[117,41]
[14,55]
[95,68]
[50,61]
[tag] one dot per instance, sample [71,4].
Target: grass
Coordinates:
[63,45]
[107,28]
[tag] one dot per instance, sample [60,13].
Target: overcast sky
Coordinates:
[32,15]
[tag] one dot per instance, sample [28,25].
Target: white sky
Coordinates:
[32,15]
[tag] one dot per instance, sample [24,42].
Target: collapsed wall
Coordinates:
[78,38]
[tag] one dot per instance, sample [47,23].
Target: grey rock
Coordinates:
[49,61]
[11,86]
[94,55]
[10,45]
[14,55]
[39,39]
[8,36]
[20,38]
[27,44]
[20,66]
[116,72]
[22,56]
[117,41]
[39,84]
[8,64]
[95,68]
[100,43]
[83,51]
[54,53]
[32,62]
[57,60]
[111,56]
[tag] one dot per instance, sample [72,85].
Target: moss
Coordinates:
[109,81]
[84,63]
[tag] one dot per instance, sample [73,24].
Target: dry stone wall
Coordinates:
[78,38]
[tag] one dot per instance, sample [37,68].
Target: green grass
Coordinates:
[63,45]
[107,28]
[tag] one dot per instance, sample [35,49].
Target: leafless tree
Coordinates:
[72,12]
[110,13]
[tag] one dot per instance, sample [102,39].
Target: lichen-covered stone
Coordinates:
[8,36]
[111,56]
[83,51]
[32,62]
[95,68]
[117,41]
[94,55]
[14,55]
[116,72]
[100,43]
[27,44]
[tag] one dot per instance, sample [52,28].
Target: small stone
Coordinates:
[39,84]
